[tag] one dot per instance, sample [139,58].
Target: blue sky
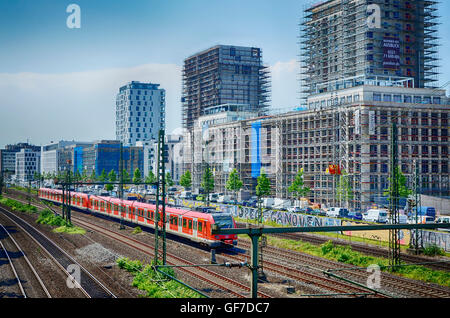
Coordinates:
[60,83]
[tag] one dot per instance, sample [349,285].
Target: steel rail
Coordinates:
[38,278]
[89,280]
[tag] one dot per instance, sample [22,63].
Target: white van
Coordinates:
[333,212]
[377,215]
[337,212]
[268,202]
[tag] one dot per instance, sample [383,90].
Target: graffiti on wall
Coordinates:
[429,238]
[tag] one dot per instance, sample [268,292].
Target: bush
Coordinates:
[433,250]
[18,206]
[49,218]
[155,284]
[327,247]
[128,265]
[137,230]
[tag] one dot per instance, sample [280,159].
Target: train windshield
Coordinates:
[224,221]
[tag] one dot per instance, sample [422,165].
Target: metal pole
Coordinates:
[121,186]
[254,266]
[158,178]
[68,197]
[417,204]
[163,194]
[394,246]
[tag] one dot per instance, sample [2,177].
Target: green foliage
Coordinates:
[112,176]
[49,218]
[150,178]
[93,176]
[298,186]
[186,180]
[155,284]
[125,176]
[234,182]
[137,230]
[263,186]
[208,180]
[433,250]
[129,265]
[103,176]
[169,181]
[344,190]
[400,178]
[18,206]
[137,178]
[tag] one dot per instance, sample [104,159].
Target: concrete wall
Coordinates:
[441,205]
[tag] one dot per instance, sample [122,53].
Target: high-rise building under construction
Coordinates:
[224,75]
[347,43]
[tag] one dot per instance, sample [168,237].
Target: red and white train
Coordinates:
[195,226]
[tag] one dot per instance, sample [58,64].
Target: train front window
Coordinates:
[223,221]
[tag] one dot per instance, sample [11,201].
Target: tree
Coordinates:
[234,183]
[207,183]
[400,178]
[344,190]
[186,180]
[150,178]
[125,176]
[262,190]
[137,178]
[112,178]
[93,176]
[298,186]
[103,176]
[169,181]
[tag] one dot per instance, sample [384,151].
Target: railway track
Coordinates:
[395,284]
[87,283]
[221,282]
[366,249]
[305,274]
[28,280]
[400,285]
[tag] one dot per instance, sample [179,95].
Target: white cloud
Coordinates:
[80,106]
[285,84]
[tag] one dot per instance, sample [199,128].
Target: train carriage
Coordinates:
[195,226]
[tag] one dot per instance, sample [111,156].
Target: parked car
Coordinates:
[376,215]
[443,219]
[337,212]
[355,216]
[295,209]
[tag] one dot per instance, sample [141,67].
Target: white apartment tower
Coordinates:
[140,112]
[27,164]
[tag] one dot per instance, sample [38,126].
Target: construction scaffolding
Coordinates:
[342,47]
[224,75]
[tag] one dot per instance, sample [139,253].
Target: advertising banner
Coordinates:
[391,53]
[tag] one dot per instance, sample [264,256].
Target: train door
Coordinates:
[187,225]
[201,228]
[140,215]
[123,211]
[131,213]
[173,223]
